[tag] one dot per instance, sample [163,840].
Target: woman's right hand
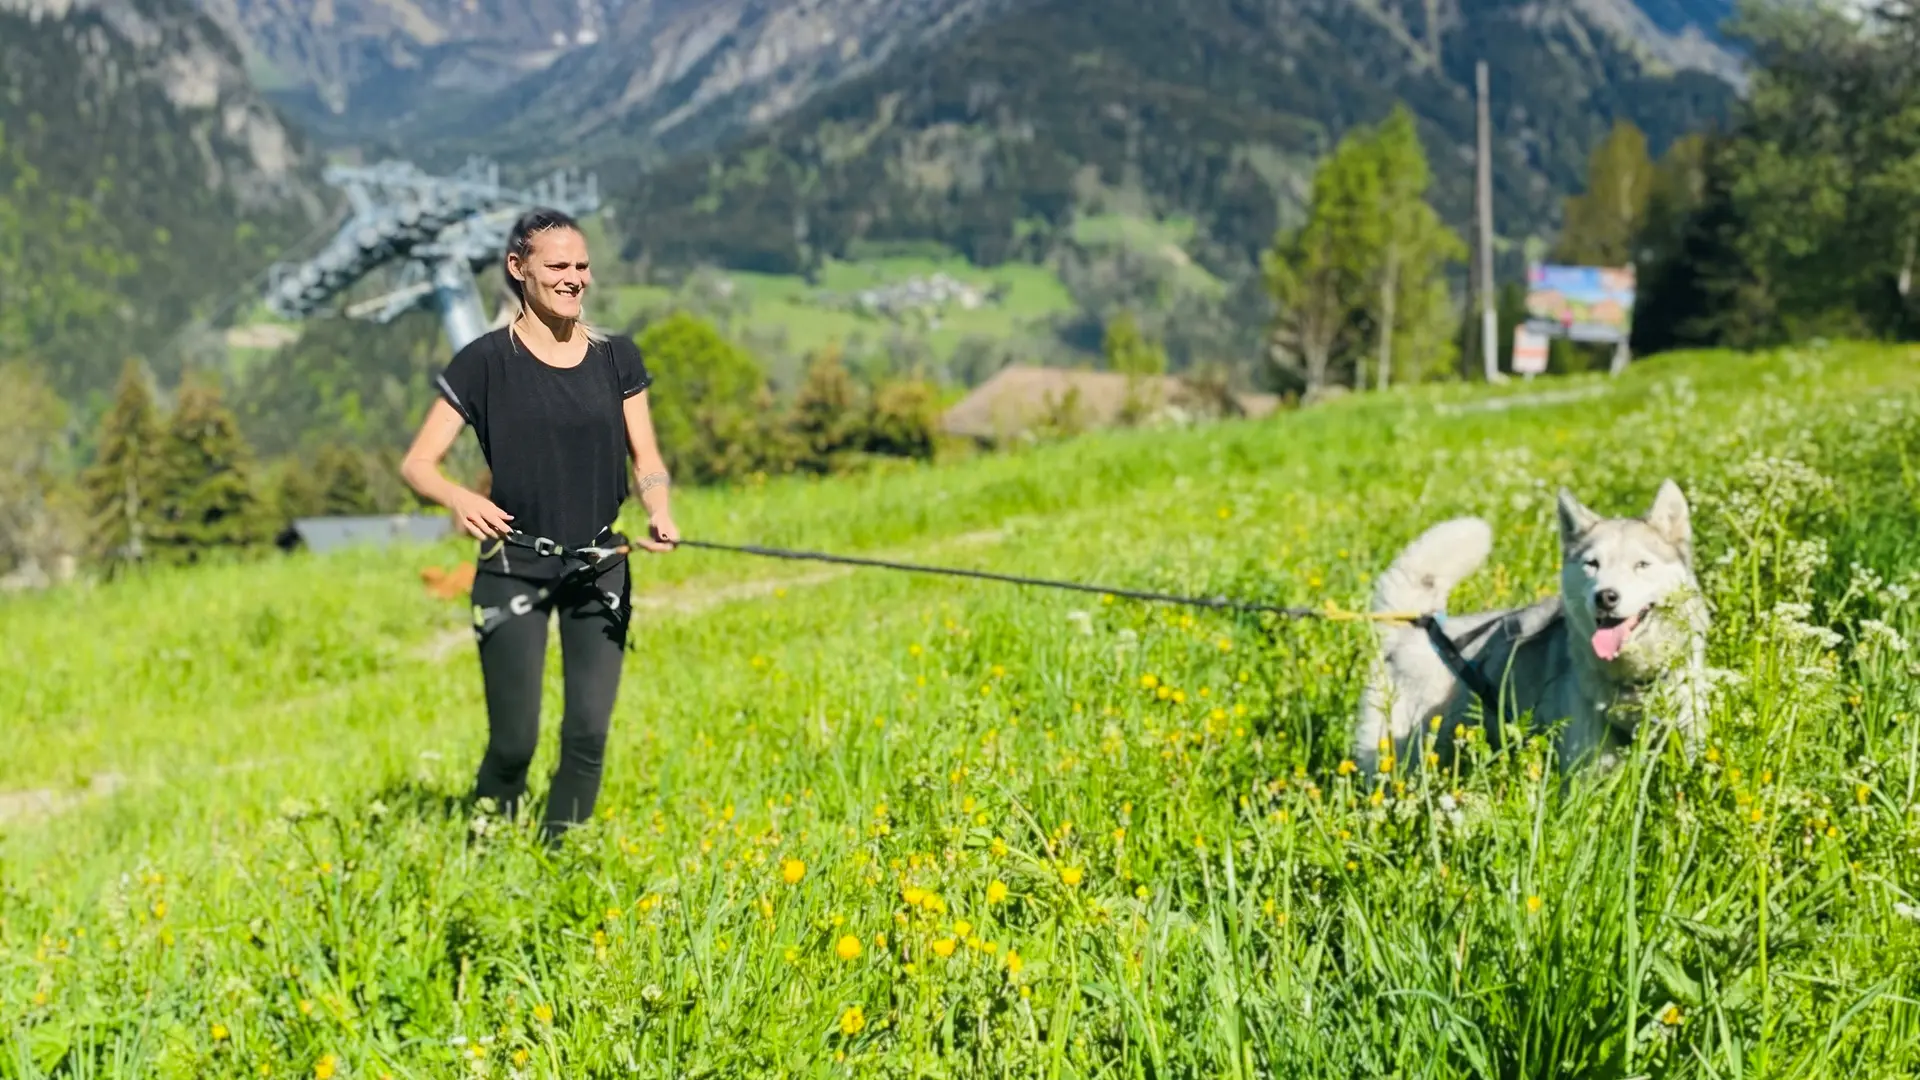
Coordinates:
[477,514]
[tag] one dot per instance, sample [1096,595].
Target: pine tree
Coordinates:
[829,414]
[345,488]
[206,492]
[122,485]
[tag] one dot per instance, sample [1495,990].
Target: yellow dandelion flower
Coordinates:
[219,1032]
[1014,963]
[913,895]
[996,891]
[543,1013]
[1346,768]
[1533,905]
[160,906]
[520,1058]
[1071,875]
[792,870]
[1163,692]
[323,1069]
[848,947]
[943,947]
[1141,891]
[1149,682]
[852,1020]
[998,847]
[1179,697]
[1671,1016]
[962,929]
[306,1007]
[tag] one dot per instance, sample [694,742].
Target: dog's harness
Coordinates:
[1466,671]
[583,563]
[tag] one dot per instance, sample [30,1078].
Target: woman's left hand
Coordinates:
[663,534]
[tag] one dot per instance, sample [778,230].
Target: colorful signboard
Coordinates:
[1580,303]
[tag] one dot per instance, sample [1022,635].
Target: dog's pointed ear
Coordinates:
[1575,519]
[1671,518]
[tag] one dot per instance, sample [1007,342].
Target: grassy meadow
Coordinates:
[859,823]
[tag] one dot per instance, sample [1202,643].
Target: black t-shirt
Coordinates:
[555,438]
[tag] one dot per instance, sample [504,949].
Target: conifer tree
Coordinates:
[345,488]
[122,485]
[829,414]
[207,499]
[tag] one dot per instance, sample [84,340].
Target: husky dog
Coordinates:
[1625,638]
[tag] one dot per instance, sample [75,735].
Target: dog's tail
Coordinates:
[1427,570]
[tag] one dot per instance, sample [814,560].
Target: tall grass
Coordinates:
[880,824]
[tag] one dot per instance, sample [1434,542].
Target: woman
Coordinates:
[558,408]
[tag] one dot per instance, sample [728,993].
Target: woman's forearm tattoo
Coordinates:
[652,480]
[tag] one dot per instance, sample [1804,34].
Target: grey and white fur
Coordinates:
[1624,639]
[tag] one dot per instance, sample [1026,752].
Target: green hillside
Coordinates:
[861,823]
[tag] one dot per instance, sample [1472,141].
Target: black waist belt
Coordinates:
[582,563]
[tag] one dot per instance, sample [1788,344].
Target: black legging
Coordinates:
[513,661]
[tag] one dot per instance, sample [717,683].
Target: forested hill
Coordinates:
[991,140]
[142,178]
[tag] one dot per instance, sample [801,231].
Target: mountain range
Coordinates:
[769,134]
[772,134]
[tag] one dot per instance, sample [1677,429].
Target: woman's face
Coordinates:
[554,276]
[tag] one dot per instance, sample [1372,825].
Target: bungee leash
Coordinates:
[1430,623]
[593,558]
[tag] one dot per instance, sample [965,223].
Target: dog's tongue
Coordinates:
[1608,641]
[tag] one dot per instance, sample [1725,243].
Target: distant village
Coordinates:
[925,295]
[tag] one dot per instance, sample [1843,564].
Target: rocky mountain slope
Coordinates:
[142,176]
[654,75]
[770,132]
[995,139]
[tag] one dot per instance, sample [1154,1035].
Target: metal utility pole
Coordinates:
[441,230]
[1489,321]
